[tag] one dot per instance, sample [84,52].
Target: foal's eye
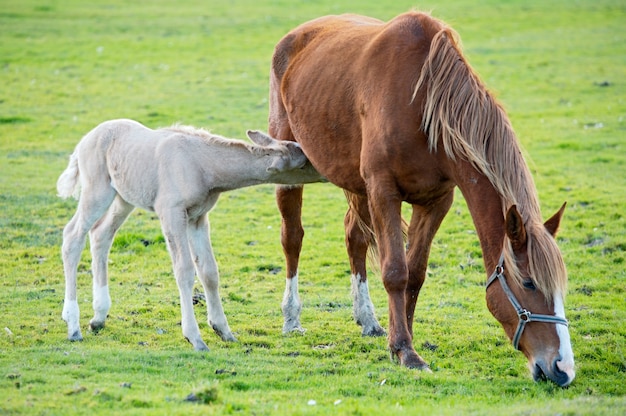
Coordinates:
[528,284]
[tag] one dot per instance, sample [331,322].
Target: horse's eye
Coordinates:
[528,284]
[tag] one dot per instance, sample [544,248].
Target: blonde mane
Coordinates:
[462,115]
[214,138]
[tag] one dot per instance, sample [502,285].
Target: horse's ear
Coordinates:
[260,138]
[552,225]
[515,229]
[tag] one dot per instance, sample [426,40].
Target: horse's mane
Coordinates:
[462,115]
[211,138]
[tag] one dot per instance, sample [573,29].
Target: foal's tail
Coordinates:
[68,183]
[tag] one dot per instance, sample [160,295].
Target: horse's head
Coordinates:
[525,293]
[288,163]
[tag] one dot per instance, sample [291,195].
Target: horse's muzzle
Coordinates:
[554,373]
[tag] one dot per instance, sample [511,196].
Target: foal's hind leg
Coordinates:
[92,205]
[101,238]
[289,201]
[174,225]
[357,242]
[206,268]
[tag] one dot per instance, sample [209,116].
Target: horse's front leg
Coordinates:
[206,268]
[358,238]
[424,224]
[174,225]
[385,210]
[289,201]
[101,238]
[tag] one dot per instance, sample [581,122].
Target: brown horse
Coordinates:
[392,112]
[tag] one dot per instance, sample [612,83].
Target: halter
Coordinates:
[525,316]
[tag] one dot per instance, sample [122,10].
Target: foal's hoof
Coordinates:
[226,335]
[95,325]
[198,345]
[76,336]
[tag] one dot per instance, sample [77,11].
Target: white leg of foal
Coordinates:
[73,244]
[101,238]
[363,308]
[94,202]
[174,225]
[101,306]
[291,306]
[206,268]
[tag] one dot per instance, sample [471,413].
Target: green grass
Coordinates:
[558,66]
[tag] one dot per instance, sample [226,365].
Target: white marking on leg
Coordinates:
[101,306]
[291,306]
[566,364]
[71,315]
[363,309]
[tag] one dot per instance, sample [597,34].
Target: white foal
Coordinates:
[179,173]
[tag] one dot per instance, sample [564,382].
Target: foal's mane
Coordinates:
[462,115]
[211,138]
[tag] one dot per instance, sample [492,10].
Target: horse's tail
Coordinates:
[368,231]
[68,183]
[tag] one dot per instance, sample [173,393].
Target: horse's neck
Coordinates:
[485,206]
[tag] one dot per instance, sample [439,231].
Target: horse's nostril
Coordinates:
[562,378]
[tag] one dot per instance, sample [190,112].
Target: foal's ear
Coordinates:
[260,138]
[552,225]
[515,228]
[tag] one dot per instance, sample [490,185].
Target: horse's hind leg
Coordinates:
[174,225]
[92,205]
[289,201]
[358,238]
[206,268]
[101,238]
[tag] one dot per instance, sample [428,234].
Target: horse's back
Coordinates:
[347,81]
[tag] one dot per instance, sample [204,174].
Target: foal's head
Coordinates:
[287,162]
[525,293]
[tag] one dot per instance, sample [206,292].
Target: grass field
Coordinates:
[559,67]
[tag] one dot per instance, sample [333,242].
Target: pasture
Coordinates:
[559,68]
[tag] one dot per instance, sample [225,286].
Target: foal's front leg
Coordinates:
[206,267]
[174,225]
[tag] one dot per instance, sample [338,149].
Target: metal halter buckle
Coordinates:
[525,316]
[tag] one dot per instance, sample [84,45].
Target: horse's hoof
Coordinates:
[410,359]
[293,327]
[375,331]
